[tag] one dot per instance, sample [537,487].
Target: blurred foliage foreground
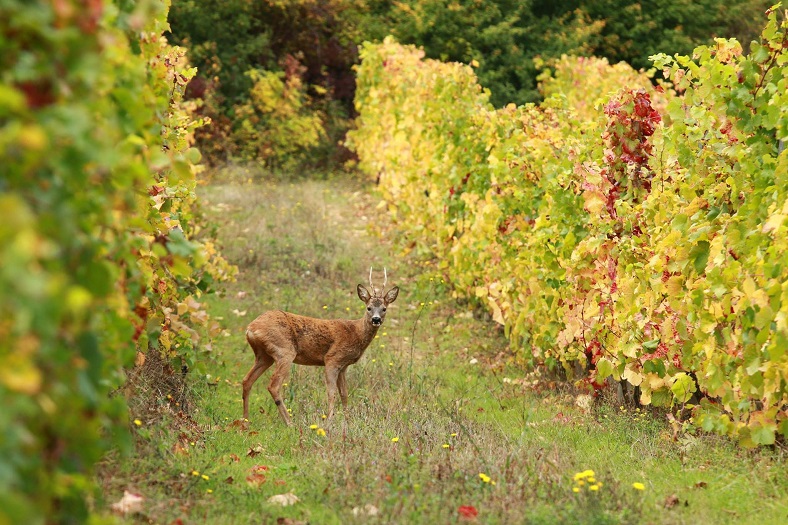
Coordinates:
[640,235]
[103,255]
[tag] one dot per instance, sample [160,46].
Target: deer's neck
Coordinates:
[366,331]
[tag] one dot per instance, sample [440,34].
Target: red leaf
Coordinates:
[255,480]
[468,511]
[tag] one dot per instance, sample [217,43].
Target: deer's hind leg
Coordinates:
[262,362]
[284,360]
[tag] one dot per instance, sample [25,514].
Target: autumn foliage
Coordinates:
[102,252]
[615,230]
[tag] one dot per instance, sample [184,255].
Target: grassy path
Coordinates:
[437,428]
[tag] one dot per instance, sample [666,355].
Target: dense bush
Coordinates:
[98,250]
[643,239]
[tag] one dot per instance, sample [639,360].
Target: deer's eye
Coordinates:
[369,308]
[384,309]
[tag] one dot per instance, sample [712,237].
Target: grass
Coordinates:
[437,422]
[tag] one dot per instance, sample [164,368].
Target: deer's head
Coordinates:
[376,305]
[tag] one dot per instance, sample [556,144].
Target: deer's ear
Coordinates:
[391,296]
[363,293]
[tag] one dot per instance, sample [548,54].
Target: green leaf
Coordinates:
[683,387]
[604,368]
[699,255]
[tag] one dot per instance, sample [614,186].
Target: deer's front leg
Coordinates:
[332,374]
[342,385]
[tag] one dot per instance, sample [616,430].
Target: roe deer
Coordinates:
[283,338]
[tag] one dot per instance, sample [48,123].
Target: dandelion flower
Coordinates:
[321,432]
[195,473]
[638,486]
[394,439]
[484,477]
[313,427]
[575,489]
[454,434]
[445,445]
[593,487]
[137,422]
[206,478]
[209,491]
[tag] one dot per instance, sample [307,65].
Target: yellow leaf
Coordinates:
[20,374]
[774,223]
[634,378]
[594,201]
[497,315]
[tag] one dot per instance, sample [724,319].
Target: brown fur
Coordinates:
[282,338]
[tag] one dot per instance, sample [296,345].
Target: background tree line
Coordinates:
[276,76]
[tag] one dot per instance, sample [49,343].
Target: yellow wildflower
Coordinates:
[638,486]
[484,477]
[394,439]
[321,432]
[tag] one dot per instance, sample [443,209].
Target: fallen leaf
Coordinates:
[284,499]
[229,480]
[235,458]
[255,450]
[671,501]
[239,313]
[130,503]
[280,482]
[289,521]
[468,511]
[584,402]
[240,295]
[701,485]
[255,480]
[366,510]
[259,468]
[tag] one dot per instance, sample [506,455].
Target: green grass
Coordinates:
[303,247]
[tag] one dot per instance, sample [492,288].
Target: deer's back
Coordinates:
[277,331]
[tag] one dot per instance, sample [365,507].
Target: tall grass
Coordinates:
[438,423]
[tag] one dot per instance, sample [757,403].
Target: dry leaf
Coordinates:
[671,501]
[239,313]
[366,510]
[128,504]
[284,499]
[255,480]
[289,521]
